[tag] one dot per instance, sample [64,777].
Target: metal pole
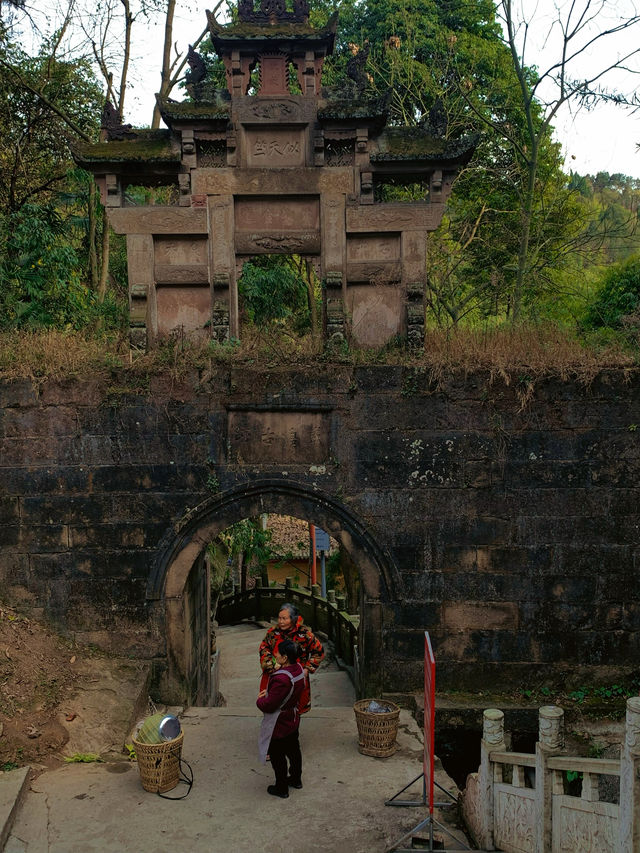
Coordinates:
[323,575]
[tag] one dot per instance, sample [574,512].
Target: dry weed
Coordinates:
[525,352]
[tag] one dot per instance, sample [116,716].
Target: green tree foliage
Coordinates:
[45,104]
[272,289]
[40,273]
[618,295]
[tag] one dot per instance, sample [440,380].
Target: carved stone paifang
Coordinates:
[293,169]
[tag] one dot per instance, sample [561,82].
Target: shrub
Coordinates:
[617,297]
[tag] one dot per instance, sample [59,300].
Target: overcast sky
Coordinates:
[603,139]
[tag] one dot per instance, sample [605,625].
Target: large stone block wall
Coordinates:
[510,514]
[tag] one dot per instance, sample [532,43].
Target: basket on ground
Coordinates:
[377,730]
[159,764]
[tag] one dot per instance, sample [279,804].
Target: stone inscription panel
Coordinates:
[276,214]
[394,217]
[180,250]
[376,313]
[158,220]
[275,147]
[280,437]
[373,247]
[185,308]
[268,181]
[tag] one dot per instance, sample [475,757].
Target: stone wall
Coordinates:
[508,515]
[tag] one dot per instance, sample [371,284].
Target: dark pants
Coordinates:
[281,749]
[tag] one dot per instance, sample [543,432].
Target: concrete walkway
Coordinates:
[102,808]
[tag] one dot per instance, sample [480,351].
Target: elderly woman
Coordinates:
[290,627]
[279,730]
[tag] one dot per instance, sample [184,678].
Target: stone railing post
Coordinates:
[629,826]
[331,596]
[550,742]
[288,583]
[492,741]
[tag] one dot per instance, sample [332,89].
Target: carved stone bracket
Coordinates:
[113,191]
[219,321]
[336,318]
[415,314]
[184,184]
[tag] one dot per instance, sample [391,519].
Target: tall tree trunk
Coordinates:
[93,254]
[104,266]
[128,24]
[165,79]
[525,233]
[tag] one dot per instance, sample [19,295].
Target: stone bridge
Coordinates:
[505,524]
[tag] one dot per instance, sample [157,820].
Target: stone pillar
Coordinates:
[414,262]
[334,253]
[143,314]
[492,741]
[550,742]
[224,291]
[629,826]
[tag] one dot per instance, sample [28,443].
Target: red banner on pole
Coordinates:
[429,718]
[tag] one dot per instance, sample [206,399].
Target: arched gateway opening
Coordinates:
[177,592]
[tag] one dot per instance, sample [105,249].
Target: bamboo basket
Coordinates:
[376,732]
[159,764]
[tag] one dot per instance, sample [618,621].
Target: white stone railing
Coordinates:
[517,802]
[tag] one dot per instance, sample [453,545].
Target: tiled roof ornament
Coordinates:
[273,11]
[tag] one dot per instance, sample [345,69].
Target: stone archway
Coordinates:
[176,570]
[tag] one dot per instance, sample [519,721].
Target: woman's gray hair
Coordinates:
[291,610]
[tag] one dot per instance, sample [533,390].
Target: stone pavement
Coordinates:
[102,808]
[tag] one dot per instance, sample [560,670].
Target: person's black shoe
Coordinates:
[275,792]
[292,784]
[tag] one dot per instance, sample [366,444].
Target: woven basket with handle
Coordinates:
[377,731]
[159,764]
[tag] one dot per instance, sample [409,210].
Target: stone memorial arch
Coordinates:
[291,169]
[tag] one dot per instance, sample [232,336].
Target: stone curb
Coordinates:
[13,787]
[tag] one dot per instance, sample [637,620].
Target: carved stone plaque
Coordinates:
[275,147]
[180,250]
[373,247]
[266,225]
[185,308]
[280,437]
[376,313]
[277,214]
[394,217]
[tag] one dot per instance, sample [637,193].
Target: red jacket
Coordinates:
[278,687]
[311,651]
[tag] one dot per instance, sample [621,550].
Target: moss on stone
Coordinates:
[148,147]
[416,143]
[203,110]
